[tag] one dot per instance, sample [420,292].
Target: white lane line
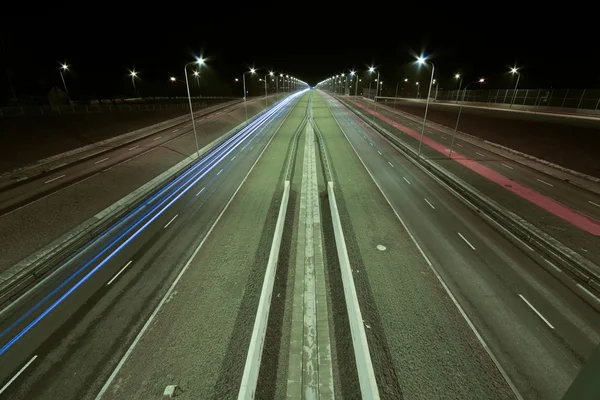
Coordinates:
[371,143]
[119,273]
[545,183]
[379,153]
[53,179]
[156,138]
[133,148]
[459,145]
[466,241]
[176,130]
[583,289]
[219,173]
[407,181]
[536,311]
[233,158]
[444,137]
[507,166]
[172,219]
[479,154]
[391,165]
[596,204]
[99,161]
[364,136]
[185,126]
[430,205]
[17,374]
[201,190]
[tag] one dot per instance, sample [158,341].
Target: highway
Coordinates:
[453,306]
[538,330]
[65,337]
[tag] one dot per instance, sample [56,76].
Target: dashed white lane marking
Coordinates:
[536,311]
[133,148]
[233,158]
[185,126]
[221,170]
[119,273]
[596,204]
[53,179]
[156,138]
[201,190]
[99,161]
[479,154]
[430,205]
[545,183]
[379,153]
[371,143]
[459,145]
[364,136]
[444,137]
[176,130]
[172,219]
[466,241]
[17,374]
[407,181]
[391,165]
[507,166]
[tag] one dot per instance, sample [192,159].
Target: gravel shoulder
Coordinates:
[201,336]
[420,345]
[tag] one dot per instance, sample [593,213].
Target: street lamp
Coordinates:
[200,62]
[197,76]
[422,61]
[172,79]
[513,71]
[356,88]
[133,75]
[459,112]
[458,76]
[272,74]
[64,67]
[252,71]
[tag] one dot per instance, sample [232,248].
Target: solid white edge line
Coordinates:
[439,278]
[172,219]
[99,161]
[407,181]
[507,166]
[17,374]
[544,182]
[536,311]
[430,205]
[257,340]
[178,278]
[53,179]
[119,273]
[466,241]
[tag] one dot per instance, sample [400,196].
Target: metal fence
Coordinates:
[585,99]
[94,107]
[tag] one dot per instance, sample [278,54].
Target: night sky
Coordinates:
[557,50]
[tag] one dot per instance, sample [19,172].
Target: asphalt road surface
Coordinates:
[65,337]
[538,330]
[67,204]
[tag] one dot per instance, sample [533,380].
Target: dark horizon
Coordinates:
[101,56]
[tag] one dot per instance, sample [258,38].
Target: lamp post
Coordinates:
[272,74]
[197,76]
[458,118]
[421,61]
[515,71]
[252,70]
[200,62]
[64,67]
[266,104]
[133,75]
[356,88]
[457,76]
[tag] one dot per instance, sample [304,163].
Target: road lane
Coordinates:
[82,338]
[486,272]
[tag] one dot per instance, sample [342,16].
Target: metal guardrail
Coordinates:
[581,270]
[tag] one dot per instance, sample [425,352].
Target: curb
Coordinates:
[580,270]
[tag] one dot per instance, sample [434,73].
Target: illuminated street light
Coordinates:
[172,79]
[133,74]
[513,71]
[200,62]
[252,71]
[422,61]
[481,80]
[64,67]
[356,88]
